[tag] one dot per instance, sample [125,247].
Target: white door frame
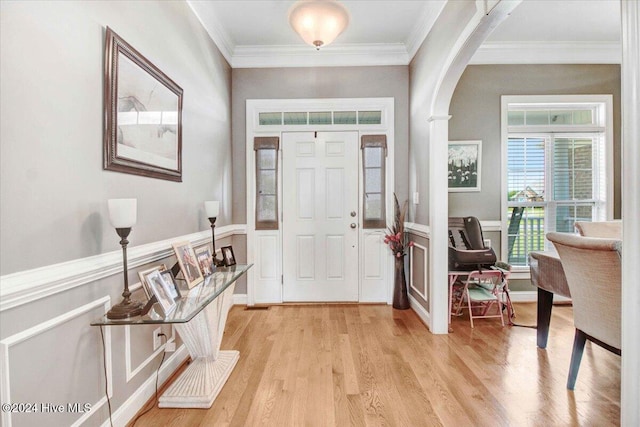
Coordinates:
[264,247]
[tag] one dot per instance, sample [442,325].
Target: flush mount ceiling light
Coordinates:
[318,22]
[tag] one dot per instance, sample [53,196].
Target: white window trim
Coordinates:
[521,272]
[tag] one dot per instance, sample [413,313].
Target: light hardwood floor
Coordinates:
[356,365]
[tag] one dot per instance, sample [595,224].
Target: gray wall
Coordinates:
[324,82]
[475,110]
[53,189]
[52,185]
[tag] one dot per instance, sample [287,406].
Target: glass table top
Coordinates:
[190,303]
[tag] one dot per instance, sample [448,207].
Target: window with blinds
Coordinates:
[266,149]
[556,174]
[374,156]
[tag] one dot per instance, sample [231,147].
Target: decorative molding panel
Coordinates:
[127,350]
[26,286]
[7,343]
[412,260]
[137,400]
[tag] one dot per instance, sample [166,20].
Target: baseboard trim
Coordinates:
[24,287]
[420,311]
[532,296]
[136,401]
[240,299]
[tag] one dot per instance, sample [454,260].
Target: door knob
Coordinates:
[353,225]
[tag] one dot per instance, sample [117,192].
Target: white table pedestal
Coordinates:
[199,385]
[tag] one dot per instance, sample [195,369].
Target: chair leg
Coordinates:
[576,356]
[469,305]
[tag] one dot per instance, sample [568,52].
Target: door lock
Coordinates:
[353,213]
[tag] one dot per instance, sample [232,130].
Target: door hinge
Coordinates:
[282,279]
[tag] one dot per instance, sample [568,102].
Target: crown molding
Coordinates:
[212,26]
[330,56]
[548,53]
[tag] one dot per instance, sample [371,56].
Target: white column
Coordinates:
[630,393]
[438,223]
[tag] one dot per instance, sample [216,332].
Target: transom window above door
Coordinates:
[279,118]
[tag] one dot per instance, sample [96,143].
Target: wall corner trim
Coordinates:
[26,286]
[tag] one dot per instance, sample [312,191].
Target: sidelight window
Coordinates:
[266,149]
[374,156]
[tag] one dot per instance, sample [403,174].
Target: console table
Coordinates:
[199,318]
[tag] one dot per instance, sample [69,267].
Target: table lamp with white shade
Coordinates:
[122,214]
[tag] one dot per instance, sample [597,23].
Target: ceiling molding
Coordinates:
[212,26]
[548,53]
[429,16]
[330,56]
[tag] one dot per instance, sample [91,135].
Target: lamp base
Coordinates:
[125,310]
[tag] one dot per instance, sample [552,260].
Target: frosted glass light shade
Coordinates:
[212,208]
[123,212]
[318,22]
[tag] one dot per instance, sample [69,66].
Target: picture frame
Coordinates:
[205,260]
[228,256]
[464,169]
[143,114]
[143,281]
[188,263]
[171,283]
[161,291]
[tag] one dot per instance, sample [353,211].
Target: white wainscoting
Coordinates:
[27,286]
[136,401]
[127,350]
[7,343]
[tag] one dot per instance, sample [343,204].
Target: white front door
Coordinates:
[320,216]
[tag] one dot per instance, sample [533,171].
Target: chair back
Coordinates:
[605,229]
[593,270]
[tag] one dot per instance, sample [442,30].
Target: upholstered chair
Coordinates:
[593,270]
[605,229]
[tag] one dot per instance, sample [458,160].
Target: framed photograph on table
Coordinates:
[188,263]
[172,286]
[143,114]
[161,291]
[143,280]
[205,260]
[228,256]
[465,158]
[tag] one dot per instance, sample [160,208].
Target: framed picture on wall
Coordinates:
[143,114]
[464,166]
[228,256]
[188,263]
